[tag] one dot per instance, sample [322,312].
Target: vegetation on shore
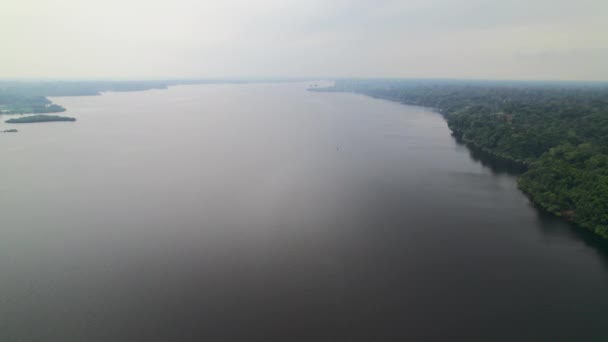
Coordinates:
[13,104]
[25,97]
[559,131]
[39,118]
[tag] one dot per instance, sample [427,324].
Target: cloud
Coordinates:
[191,38]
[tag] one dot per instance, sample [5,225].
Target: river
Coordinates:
[264,212]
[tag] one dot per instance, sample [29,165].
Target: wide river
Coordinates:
[265,212]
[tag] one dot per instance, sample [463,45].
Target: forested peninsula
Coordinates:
[557,131]
[30,97]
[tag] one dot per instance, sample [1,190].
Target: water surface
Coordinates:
[264,212]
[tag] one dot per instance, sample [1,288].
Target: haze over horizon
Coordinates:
[472,39]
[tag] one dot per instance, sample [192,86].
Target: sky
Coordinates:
[154,39]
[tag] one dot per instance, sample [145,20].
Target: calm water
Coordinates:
[269,213]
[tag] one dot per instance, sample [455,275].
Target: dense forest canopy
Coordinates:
[559,131]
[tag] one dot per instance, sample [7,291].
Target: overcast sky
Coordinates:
[136,39]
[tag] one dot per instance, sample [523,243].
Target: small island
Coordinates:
[39,118]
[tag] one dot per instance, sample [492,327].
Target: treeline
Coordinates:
[16,103]
[559,131]
[23,97]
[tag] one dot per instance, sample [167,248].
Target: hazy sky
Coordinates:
[513,39]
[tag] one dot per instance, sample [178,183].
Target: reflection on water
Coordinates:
[555,228]
[563,231]
[497,165]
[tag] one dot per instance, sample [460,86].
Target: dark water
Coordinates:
[269,213]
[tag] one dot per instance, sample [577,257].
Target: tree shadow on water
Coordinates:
[495,164]
[557,228]
[553,227]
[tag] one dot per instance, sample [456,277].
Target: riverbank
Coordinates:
[556,135]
